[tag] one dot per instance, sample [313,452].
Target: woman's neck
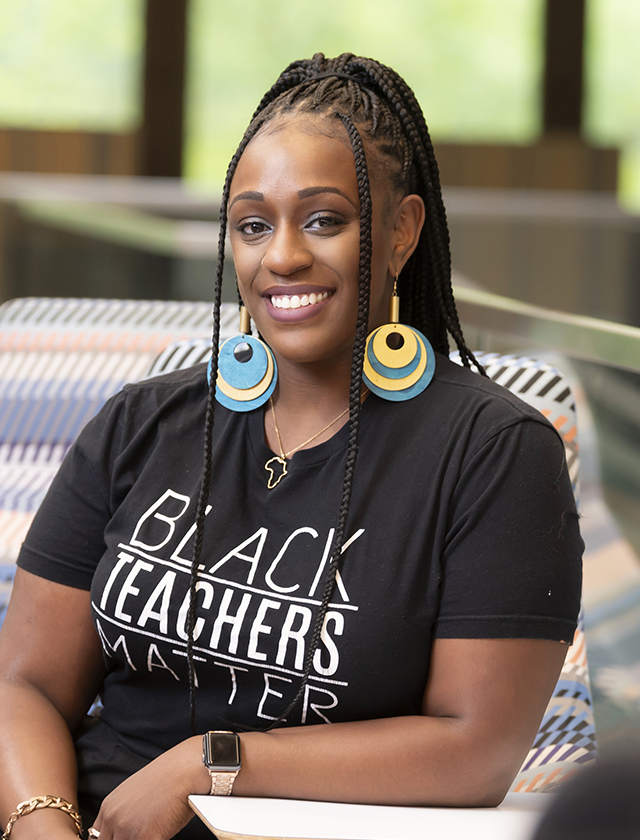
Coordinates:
[307,398]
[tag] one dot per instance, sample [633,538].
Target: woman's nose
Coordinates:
[286,252]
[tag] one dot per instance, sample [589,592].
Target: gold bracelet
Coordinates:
[43,802]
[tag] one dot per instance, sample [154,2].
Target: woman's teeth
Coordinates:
[296,301]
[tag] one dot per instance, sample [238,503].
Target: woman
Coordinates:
[405,569]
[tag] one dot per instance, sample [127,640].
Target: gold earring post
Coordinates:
[245,320]
[394,304]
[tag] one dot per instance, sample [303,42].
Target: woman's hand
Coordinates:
[152,804]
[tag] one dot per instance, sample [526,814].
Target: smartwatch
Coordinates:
[221,757]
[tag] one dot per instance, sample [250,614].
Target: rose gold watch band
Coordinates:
[222,783]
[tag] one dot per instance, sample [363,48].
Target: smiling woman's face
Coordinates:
[294,222]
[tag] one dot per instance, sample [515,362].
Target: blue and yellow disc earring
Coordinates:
[247,370]
[399,361]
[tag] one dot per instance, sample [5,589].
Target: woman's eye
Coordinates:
[324,222]
[252,228]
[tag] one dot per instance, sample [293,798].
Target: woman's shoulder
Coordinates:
[465,389]
[174,399]
[181,381]
[462,405]
[179,388]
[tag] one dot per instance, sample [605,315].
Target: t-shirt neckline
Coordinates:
[312,456]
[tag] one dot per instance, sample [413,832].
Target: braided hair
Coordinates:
[370,100]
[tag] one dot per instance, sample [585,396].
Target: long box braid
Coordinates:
[368,99]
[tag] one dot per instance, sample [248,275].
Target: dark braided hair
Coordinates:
[370,101]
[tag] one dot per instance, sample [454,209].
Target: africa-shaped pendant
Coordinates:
[276,474]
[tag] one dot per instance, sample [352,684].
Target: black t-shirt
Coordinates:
[462,525]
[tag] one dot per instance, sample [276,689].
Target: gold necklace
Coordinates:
[281,459]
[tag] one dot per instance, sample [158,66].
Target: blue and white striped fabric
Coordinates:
[60,360]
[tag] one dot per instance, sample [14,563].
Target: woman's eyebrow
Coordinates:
[309,191]
[248,196]
[252,195]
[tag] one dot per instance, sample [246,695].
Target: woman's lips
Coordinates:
[297,301]
[296,306]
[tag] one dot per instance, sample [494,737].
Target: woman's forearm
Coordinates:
[397,761]
[481,710]
[411,760]
[36,758]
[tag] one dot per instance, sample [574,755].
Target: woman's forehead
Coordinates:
[296,152]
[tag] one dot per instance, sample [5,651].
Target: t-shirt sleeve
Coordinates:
[512,562]
[66,539]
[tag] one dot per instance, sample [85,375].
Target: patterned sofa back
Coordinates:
[60,360]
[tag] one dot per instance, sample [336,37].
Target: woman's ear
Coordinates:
[409,219]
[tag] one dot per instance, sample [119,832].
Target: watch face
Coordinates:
[221,751]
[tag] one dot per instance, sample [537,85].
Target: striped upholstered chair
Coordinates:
[60,360]
[566,738]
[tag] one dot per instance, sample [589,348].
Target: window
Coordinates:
[612,104]
[71,64]
[474,64]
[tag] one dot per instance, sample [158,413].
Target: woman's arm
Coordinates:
[482,707]
[50,671]
[481,710]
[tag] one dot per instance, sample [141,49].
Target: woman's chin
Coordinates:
[308,354]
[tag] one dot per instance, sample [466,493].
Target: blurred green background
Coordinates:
[475,65]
